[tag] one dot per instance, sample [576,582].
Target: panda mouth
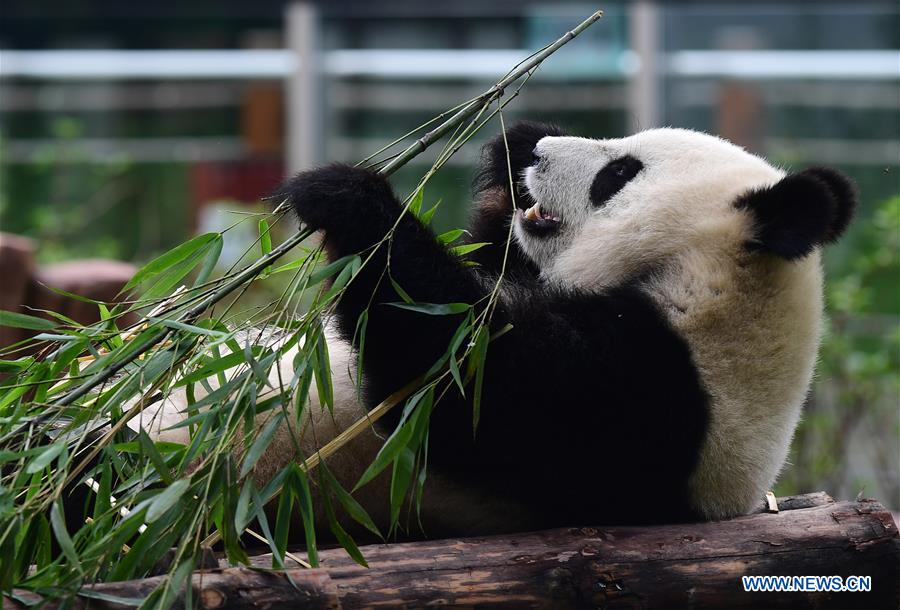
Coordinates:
[539,222]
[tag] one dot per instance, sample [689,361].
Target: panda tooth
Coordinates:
[534,212]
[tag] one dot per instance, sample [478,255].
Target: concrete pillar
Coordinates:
[645,90]
[303,87]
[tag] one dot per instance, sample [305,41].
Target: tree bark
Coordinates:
[671,566]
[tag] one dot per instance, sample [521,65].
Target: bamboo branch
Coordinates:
[485,98]
[405,157]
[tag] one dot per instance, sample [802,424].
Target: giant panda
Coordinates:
[664,293]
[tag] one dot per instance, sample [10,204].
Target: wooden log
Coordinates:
[672,566]
[817,498]
[16,269]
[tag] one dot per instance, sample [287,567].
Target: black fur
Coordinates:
[802,211]
[612,178]
[493,209]
[521,139]
[844,191]
[570,424]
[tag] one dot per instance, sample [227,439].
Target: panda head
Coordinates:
[596,213]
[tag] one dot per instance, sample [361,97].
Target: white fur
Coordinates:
[752,321]
[446,506]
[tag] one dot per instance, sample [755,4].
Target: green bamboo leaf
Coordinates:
[70,295]
[401,477]
[166,499]
[343,538]
[420,417]
[115,339]
[265,244]
[478,357]
[300,488]
[20,553]
[20,320]
[461,333]
[359,339]
[388,452]
[261,443]
[171,277]
[66,320]
[403,294]
[214,400]
[421,476]
[153,542]
[343,278]
[188,328]
[156,458]
[466,248]
[322,369]
[103,502]
[136,447]
[264,365]
[303,260]
[213,367]
[330,269]
[66,355]
[140,341]
[303,377]
[288,266]
[427,216]
[43,557]
[58,524]
[14,366]
[209,263]
[171,258]
[8,456]
[242,514]
[45,457]
[230,536]
[451,236]
[265,238]
[353,508]
[282,522]
[415,206]
[260,514]
[39,373]
[434,309]
[57,338]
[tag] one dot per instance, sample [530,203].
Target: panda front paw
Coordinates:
[340,197]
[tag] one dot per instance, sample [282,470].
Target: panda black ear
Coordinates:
[802,211]
[521,138]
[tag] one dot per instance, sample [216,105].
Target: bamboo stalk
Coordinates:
[405,157]
[485,98]
[190,316]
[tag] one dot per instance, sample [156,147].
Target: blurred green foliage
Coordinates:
[852,421]
[75,208]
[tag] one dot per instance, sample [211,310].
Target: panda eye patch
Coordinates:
[610,180]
